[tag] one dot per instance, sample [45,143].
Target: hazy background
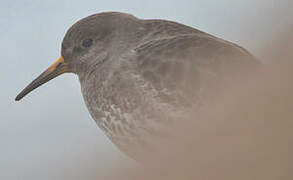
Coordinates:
[50,133]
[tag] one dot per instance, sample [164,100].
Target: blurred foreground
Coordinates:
[245,133]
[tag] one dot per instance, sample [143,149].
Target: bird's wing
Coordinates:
[185,65]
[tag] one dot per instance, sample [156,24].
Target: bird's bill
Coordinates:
[56,69]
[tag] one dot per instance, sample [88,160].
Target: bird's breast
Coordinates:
[127,107]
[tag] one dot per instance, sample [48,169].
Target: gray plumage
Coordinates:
[139,75]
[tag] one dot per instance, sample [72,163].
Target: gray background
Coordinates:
[50,133]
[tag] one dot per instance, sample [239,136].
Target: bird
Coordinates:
[139,75]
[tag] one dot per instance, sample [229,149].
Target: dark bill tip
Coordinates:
[58,68]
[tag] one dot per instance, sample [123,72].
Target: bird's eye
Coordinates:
[87,43]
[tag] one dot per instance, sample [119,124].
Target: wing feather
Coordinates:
[187,64]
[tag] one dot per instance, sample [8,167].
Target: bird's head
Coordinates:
[88,42]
